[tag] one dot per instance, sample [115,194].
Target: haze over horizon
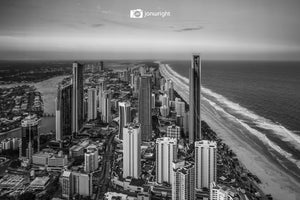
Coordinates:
[77,29]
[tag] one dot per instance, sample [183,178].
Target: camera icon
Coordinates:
[137,13]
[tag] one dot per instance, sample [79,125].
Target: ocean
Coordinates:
[264,97]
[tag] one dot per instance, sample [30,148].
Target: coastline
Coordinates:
[275,180]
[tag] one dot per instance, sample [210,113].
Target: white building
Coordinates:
[92,104]
[132,151]
[82,184]
[205,163]
[164,100]
[218,192]
[66,184]
[125,116]
[183,181]
[91,159]
[179,107]
[166,153]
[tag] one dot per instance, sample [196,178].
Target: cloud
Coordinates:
[97,25]
[189,29]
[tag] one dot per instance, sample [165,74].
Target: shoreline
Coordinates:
[275,180]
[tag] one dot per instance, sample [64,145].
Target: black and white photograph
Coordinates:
[149,99]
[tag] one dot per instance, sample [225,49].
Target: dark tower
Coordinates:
[195,100]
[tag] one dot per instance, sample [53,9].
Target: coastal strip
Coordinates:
[274,179]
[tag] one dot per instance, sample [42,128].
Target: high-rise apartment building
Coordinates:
[173,131]
[92,104]
[166,153]
[183,186]
[63,115]
[30,137]
[179,107]
[124,115]
[145,115]
[77,99]
[132,150]
[205,163]
[91,159]
[106,106]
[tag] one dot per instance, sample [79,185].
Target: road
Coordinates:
[106,167]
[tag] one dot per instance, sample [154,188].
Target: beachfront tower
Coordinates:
[144,116]
[205,163]
[194,100]
[166,153]
[77,99]
[183,186]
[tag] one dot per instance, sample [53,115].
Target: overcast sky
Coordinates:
[93,29]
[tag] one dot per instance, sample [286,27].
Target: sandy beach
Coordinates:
[275,179]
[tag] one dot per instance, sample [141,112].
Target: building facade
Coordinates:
[30,137]
[77,97]
[124,115]
[173,131]
[205,163]
[183,186]
[195,100]
[144,112]
[132,151]
[106,106]
[63,111]
[166,153]
[92,104]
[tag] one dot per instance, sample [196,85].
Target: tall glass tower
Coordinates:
[77,99]
[195,100]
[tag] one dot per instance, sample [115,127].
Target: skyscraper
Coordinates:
[165,100]
[171,90]
[183,186]
[63,111]
[77,105]
[166,153]
[82,184]
[145,116]
[91,159]
[205,163]
[173,131]
[30,137]
[132,150]
[195,100]
[66,184]
[106,106]
[179,107]
[124,115]
[92,104]
[102,87]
